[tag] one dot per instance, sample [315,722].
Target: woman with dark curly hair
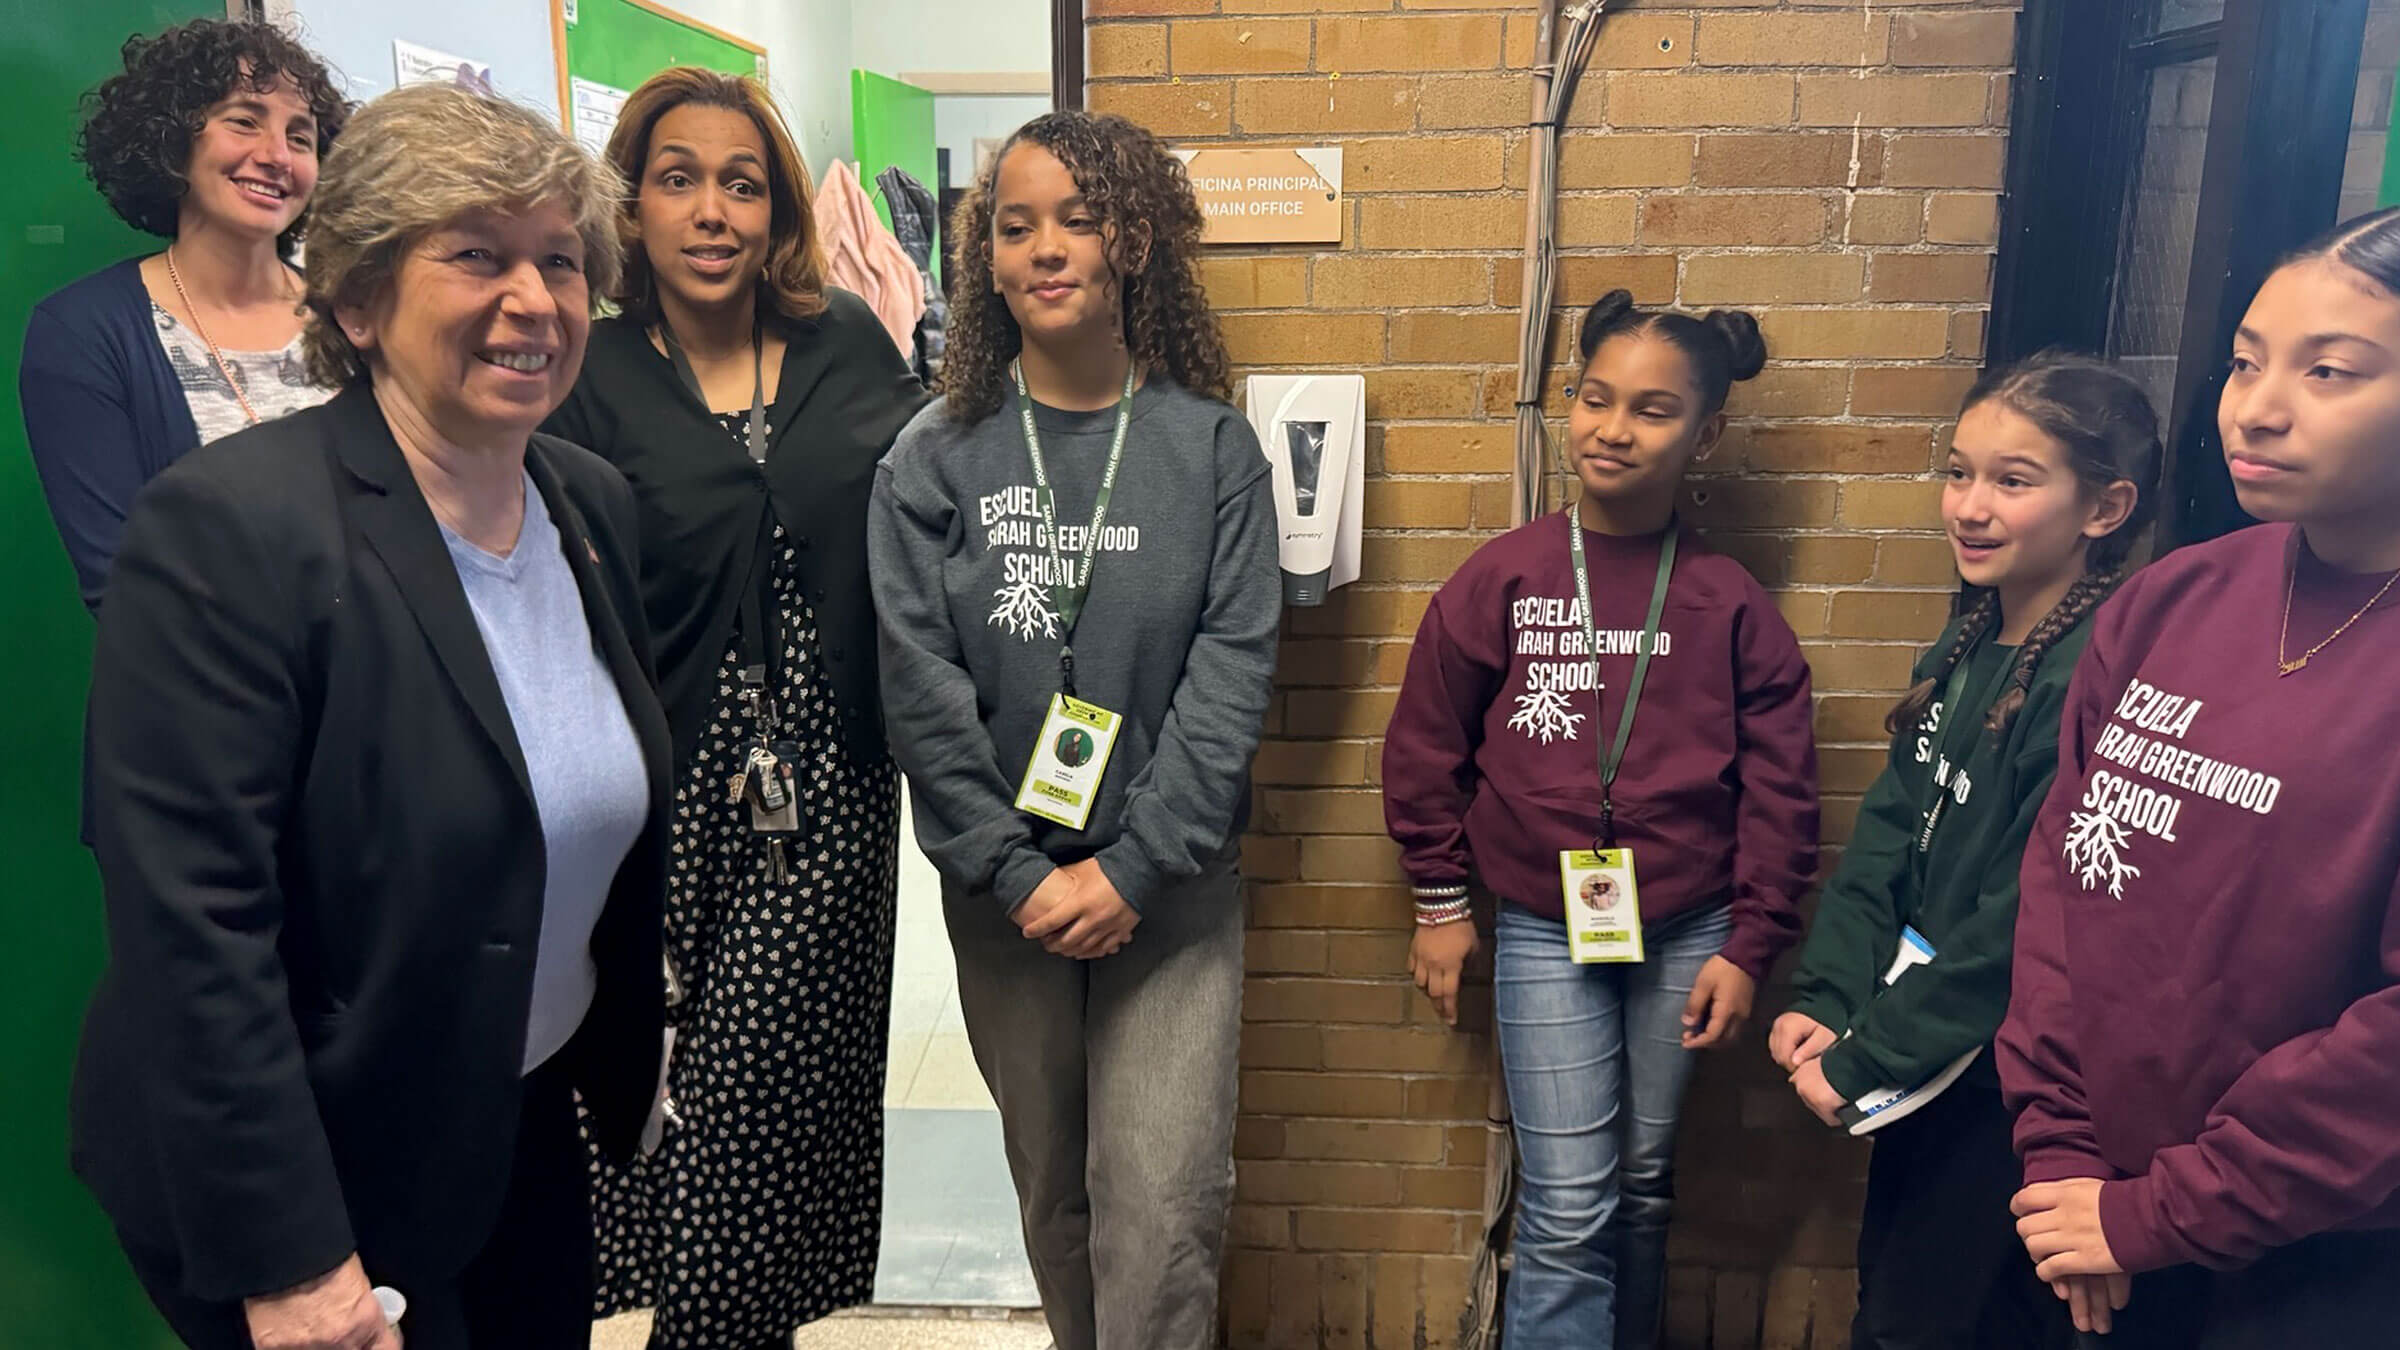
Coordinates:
[1082,421]
[209,138]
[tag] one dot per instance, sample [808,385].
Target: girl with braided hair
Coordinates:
[2049,483]
[1073,559]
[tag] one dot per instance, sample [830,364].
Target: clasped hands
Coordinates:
[1076,912]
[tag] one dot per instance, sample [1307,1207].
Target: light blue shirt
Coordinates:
[590,787]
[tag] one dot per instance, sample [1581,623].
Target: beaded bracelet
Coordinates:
[1433,916]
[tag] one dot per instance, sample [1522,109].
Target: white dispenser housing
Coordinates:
[1314,430]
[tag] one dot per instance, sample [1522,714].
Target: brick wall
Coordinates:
[2371,123]
[1832,164]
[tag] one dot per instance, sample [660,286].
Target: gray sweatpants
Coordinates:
[1115,1080]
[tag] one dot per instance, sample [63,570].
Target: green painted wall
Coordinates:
[62,1284]
[892,123]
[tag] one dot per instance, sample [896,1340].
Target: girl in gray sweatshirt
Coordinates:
[1073,555]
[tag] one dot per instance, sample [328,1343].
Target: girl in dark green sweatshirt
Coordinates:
[1905,976]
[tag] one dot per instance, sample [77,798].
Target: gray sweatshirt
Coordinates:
[1178,635]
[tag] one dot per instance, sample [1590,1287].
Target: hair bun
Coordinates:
[1741,333]
[1607,315]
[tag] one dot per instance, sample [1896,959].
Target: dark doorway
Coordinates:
[2164,154]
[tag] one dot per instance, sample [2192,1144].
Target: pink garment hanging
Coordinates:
[861,255]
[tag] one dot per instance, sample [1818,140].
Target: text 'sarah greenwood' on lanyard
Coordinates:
[1612,755]
[1067,595]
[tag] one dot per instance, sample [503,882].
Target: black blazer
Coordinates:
[842,398]
[324,870]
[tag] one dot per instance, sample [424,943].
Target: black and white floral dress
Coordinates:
[762,1210]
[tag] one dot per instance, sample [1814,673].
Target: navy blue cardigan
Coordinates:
[103,411]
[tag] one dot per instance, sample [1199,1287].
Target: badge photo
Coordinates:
[1062,780]
[1603,906]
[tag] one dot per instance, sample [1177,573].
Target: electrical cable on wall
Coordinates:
[1554,83]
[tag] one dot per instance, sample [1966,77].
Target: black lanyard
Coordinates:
[760,634]
[1612,756]
[758,384]
[1067,596]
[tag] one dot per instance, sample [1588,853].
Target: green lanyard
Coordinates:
[1953,703]
[1067,597]
[1612,757]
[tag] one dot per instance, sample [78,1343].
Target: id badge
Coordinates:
[1604,907]
[1063,778]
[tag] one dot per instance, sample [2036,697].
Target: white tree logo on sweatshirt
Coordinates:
[2095,848]
[1543,713]
[1024,610]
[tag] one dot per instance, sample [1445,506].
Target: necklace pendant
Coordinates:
[2295,666]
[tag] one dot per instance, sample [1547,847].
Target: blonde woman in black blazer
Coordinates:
[380,789]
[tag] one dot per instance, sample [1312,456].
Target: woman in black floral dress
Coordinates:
[747,403]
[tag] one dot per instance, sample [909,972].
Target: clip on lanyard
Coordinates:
[1067,596]
[1612,757]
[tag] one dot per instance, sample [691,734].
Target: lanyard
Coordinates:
[758,385]
[1067,596]
[1612,757]
[1953,703]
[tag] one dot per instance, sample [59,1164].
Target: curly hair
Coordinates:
[793,281]
[136,139]
[424,156]
[1151,223]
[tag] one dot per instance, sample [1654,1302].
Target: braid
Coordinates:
[1912,706]
[2072,609]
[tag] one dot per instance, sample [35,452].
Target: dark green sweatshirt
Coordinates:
[1962,895]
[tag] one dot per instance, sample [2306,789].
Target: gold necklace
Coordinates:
[2292,665]
[224,367]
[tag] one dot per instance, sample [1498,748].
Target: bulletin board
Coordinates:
[618,44]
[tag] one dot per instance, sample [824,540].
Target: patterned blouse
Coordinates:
[277,382]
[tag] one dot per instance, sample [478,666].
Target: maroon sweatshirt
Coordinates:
[1490,765]
[2207,986]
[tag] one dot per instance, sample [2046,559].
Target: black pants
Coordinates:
[530,1288]
[2337,1291]
[1939,1263]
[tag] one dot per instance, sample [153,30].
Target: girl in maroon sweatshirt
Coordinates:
[1514,757]
[2204,1039]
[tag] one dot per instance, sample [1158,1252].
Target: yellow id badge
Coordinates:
[1063,778]
[1604,907]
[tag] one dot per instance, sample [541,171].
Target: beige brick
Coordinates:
[1366,712]
[1344,858]
[1304,339]
[1616,160]
[1417,504]
[1832,559]
[1323,1094]
[1455,1098]
[1274,951]
[1448,42]
[1627,41]
[1386,1230]
[1320,1001]
[1581,280]
[1932,276]
[1240,46]
[1201,109]
[1788,391]
[1488,448]
[1687,100]
[1336,663]
[1963,218]
[1423,164]
[1310,763]
[1367,954]
[1753,220]
[1979,161]
[1978,39]
[1758,504]
[1398,1050]
[1359,281]
[1440,222]
[1442,1187]
[1794,40]
[1883,218]
[1266,859]
[1301,6]
[1363,1141]
[1431,337]
[1911,504]
[1967,334]
[1282,1047]
[1888,614]
[1500,386]
[1835,448]
[1851,665]
[1793,159]
[1916,562]
[1851,719]
[1419,393]
[1772,278]
[1894,100]
[1803,610]
[1909,391]
[1254,283]
[1330,906]
[1587,220]
[1320,1183]
[1258,1228]
[1835,334]
[1118,50]
[1120,9]
[1313,106]
[1474,101]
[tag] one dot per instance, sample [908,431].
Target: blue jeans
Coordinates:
[1596,1069]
